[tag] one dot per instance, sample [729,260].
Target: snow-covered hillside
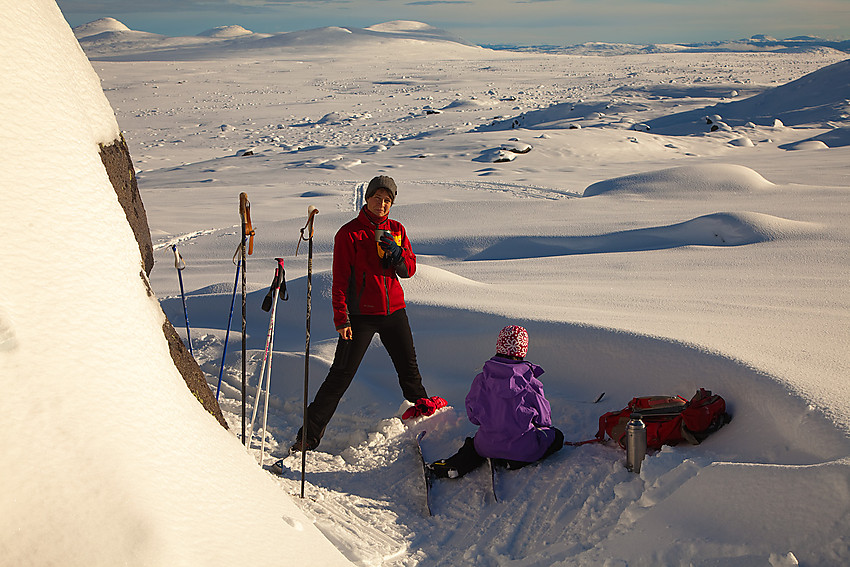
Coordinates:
[640,262]
[108,458]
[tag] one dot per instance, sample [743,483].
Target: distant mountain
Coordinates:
[756,43]
[99,26]
[419,30]
[226,31]
[108,38]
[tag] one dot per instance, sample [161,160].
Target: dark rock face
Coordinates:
[119,167]
[192,373]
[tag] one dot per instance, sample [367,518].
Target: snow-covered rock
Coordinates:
[122,484]
[742,142]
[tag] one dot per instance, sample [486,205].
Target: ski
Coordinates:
[595,401]
[426,473]
[493,479]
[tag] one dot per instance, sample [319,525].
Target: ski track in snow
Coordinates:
[368,498]
[187,237]
[358,199]
[559,508]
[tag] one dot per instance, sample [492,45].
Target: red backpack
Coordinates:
[668,419]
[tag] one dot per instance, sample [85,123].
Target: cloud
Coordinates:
[433,2]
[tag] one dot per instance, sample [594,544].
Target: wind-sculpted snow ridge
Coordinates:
[819,98]
[567,115]
[685,181]
[718,229]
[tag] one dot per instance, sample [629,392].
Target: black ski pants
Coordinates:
[467,458]
[397,338]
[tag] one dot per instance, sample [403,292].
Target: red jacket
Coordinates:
[361,284]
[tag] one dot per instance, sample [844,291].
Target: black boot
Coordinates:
[296,447]
[464,461]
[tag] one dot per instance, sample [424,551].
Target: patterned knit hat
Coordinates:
[513,341]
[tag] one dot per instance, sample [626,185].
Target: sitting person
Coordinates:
[506,401]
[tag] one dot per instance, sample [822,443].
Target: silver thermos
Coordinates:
[635,443]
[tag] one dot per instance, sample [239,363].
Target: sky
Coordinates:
[489,22]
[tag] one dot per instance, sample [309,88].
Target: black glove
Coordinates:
[392,251]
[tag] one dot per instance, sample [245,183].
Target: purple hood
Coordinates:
[506,400]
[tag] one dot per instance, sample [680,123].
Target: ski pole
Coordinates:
[271,352]
[180,265]
[247,231]
[270,303]
[269,340]
[311,212]
[229,321]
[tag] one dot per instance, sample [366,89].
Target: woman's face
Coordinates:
[379,204]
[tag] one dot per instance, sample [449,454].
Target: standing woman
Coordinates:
[371,253]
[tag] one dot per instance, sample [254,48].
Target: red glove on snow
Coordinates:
[424,407]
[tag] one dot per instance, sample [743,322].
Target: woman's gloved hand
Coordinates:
[392,251]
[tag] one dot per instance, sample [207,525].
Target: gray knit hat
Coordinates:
[382,182]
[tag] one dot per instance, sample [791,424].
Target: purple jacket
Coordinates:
[506,400]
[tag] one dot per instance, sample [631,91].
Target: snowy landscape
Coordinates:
[660,219]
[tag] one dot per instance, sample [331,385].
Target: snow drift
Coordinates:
[719,229]
[148,477]
[686,180]
[819,98]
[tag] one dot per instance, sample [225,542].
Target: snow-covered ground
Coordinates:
[645,253]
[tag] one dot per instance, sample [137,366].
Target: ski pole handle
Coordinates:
[283,295]
[247,227]
[311,213]
[178,259]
